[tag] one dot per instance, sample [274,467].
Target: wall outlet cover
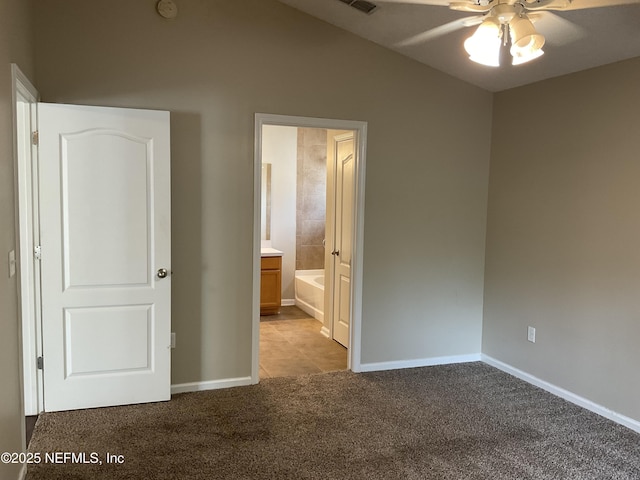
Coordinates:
[531,334]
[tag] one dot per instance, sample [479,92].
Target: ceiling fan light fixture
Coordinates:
[526,42]
[484,45]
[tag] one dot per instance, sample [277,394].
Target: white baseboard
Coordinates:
[287,302]
[325,331]
[562,393]
[210,385]
[419,362]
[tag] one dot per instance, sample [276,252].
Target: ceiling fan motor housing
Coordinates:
[505,12]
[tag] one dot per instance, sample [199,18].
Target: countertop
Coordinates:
[270,252]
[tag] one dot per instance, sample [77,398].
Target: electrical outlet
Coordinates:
[531,334]
[173,339]
[12,263]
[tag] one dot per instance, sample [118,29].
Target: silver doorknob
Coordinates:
[335,252]
[162,273]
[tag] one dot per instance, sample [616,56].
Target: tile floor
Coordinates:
[291,344]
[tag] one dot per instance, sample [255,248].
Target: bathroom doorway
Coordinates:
[309,176]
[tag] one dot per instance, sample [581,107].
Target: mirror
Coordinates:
[265,202]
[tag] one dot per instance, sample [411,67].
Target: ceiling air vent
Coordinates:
[362,5]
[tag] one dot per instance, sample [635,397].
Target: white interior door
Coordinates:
[105,238]
[344,179]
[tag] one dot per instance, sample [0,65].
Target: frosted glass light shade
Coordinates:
[484,45]
[526,42]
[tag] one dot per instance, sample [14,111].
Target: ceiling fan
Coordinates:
[508,22]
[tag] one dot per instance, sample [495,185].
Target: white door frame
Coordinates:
[360,128]
[25,161]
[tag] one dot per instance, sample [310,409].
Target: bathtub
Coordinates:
[309,292]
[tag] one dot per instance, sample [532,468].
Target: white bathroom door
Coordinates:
[344,163]
[105,255]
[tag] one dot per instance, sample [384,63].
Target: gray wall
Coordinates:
[563,243]
[15,47]
[216,65]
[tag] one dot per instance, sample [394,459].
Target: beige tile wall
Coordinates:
[311,198]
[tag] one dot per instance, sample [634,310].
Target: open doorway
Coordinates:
[307,244]
[65,202]
[25,98]
[298,217]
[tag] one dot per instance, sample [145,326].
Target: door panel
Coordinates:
[105,231]
[344,302]
[95,344]
[345,191]
[94,164]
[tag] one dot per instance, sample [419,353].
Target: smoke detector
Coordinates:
[167,9]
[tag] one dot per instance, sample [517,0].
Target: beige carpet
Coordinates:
[467,421]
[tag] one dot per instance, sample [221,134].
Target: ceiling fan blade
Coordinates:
[459,5]
[556,30]
[575,4]
[468,6]
[441,3]
[440,30]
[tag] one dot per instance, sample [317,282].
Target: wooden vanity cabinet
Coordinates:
[270,285]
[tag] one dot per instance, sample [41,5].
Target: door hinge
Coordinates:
[40,363]
[35,137]
[37,252]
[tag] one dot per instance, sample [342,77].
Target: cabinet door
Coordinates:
[270,289]
[270,285]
